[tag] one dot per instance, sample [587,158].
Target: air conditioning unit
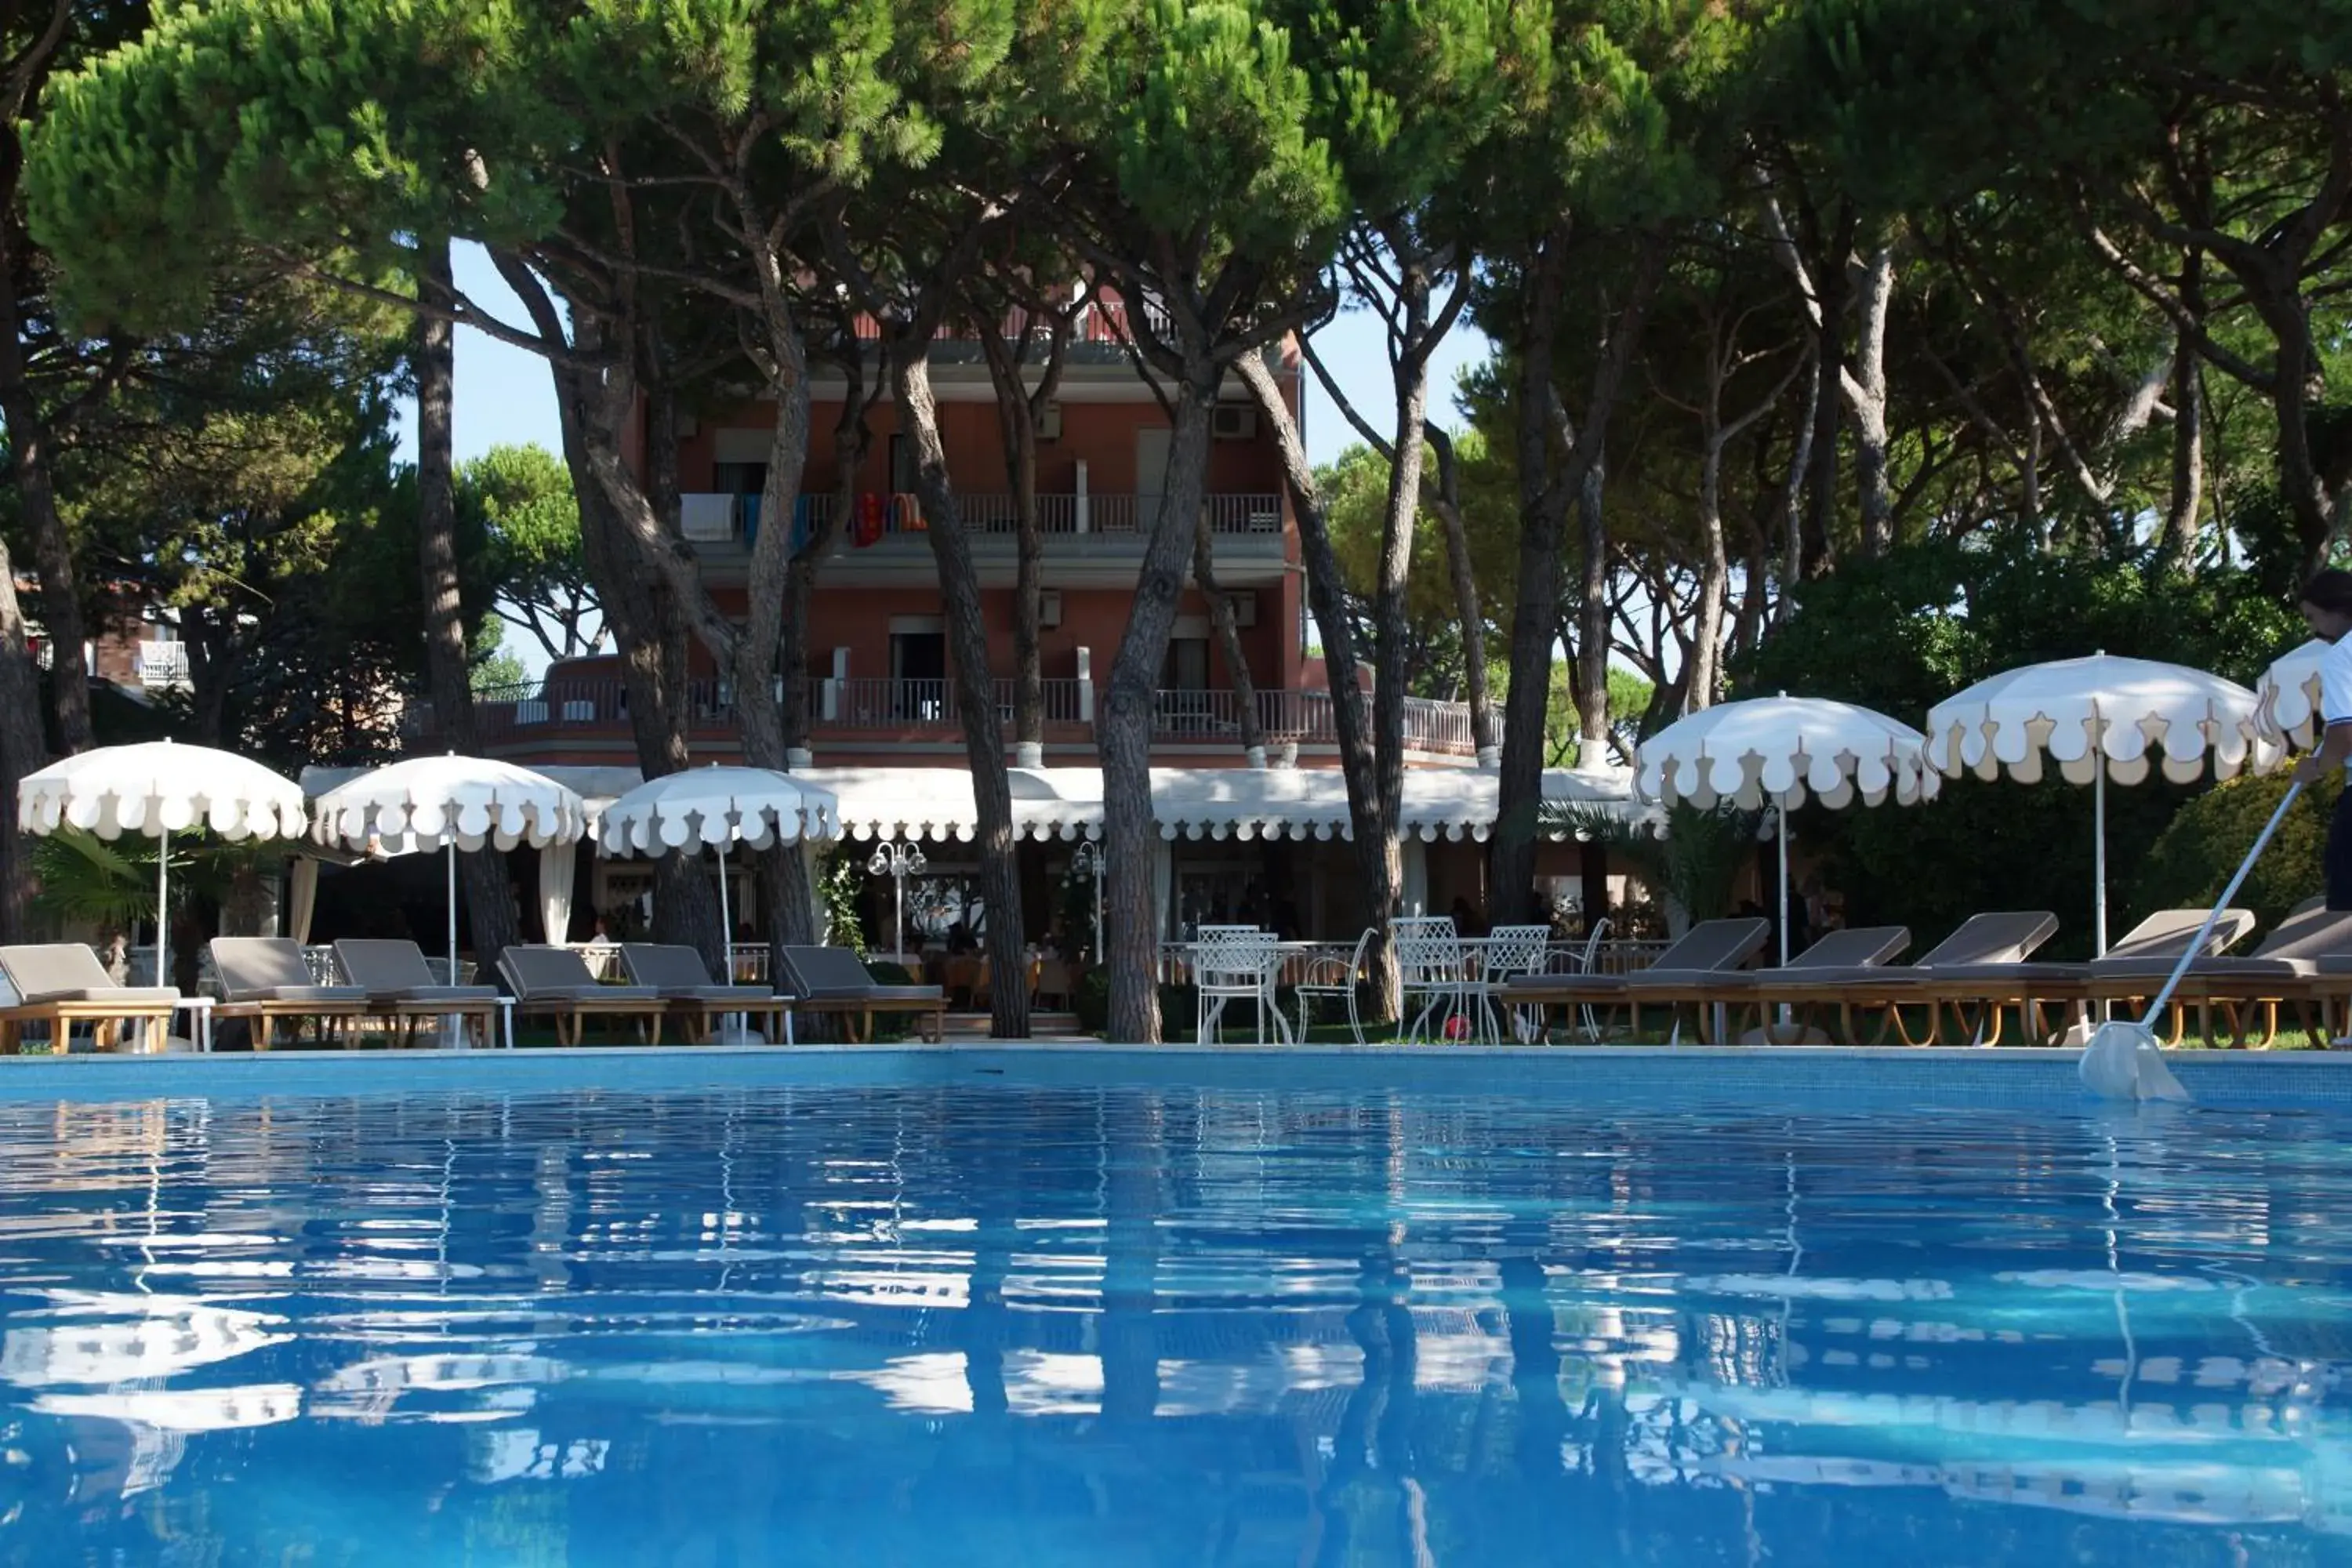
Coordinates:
[1049,420]
[1233,422]
[1049,607]
[1244,608]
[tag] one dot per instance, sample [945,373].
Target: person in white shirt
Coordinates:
[2327,611]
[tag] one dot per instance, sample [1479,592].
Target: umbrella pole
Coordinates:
[164,907]
[453,910]
[726,920]
[1782,835]
[2099,857]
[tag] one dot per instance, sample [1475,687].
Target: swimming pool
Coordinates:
[978,1308]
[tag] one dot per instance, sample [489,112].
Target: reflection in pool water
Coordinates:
[986,1323]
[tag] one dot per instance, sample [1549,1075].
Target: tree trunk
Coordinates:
[2296,387]
[1229,639]
[976,688]
[489,896]
[1327,596]
[649,629]
[2188,441]
[23,749]
[1410,354]
[1821,514]
[1016,414]
[1869,398]
[1592,617]
[30,455]
[1705,675]
[1123,721]
[1468,608]
[852,437]
[1543,506]
[1545,490]
[756,674]
[1793,495]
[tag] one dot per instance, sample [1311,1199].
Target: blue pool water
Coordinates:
[983,1316]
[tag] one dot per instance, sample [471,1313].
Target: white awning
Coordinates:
[1066,804]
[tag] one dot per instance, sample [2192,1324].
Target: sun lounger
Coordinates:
[1981,992]
[1704,954]
[1986,957]
[1839,952]
[834,980]
[399,984]
[2307,962]
[63,983]
[265,978]
[678,974]
[554,983]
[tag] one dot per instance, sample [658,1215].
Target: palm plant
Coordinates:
[85,880]
[1691,860]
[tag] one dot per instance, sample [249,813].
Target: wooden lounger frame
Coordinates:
[106,1019]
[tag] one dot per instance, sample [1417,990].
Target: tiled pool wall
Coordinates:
[1787,1074]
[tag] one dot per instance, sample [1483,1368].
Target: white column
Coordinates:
[1164,887]
[1084,524]
[1415,854]
[1085,686]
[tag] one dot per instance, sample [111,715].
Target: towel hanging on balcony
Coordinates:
[869,519]
[906,514]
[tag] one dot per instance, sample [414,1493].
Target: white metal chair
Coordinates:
[1591,1022]
[1234,962]
[1512,951]
[1329,974]
[1432,970]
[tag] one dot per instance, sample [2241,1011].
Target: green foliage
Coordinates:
[1692,859]
[519,501]
[2199,851]
[494,666]
[839,885]
[110,883]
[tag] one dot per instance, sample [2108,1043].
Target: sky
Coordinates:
[504,399]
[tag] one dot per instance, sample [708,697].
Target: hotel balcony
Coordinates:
[1090,540]
[570,716]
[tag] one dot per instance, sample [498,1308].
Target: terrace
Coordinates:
[515,721]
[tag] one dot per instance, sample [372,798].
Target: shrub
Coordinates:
[2193,859]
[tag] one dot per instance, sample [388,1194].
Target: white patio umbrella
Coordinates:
[719,807]
[450,803]
[1780,751]
[2287,696]
[158,788]
[2098,718]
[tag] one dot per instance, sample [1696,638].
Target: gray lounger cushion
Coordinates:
[560,974]
[70,971]
[836,974]
[678,974]
[391,970]
[271,969]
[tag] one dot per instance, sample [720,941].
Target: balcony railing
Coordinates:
[882,706]
[711,518]
[162,665]
[1102,320]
